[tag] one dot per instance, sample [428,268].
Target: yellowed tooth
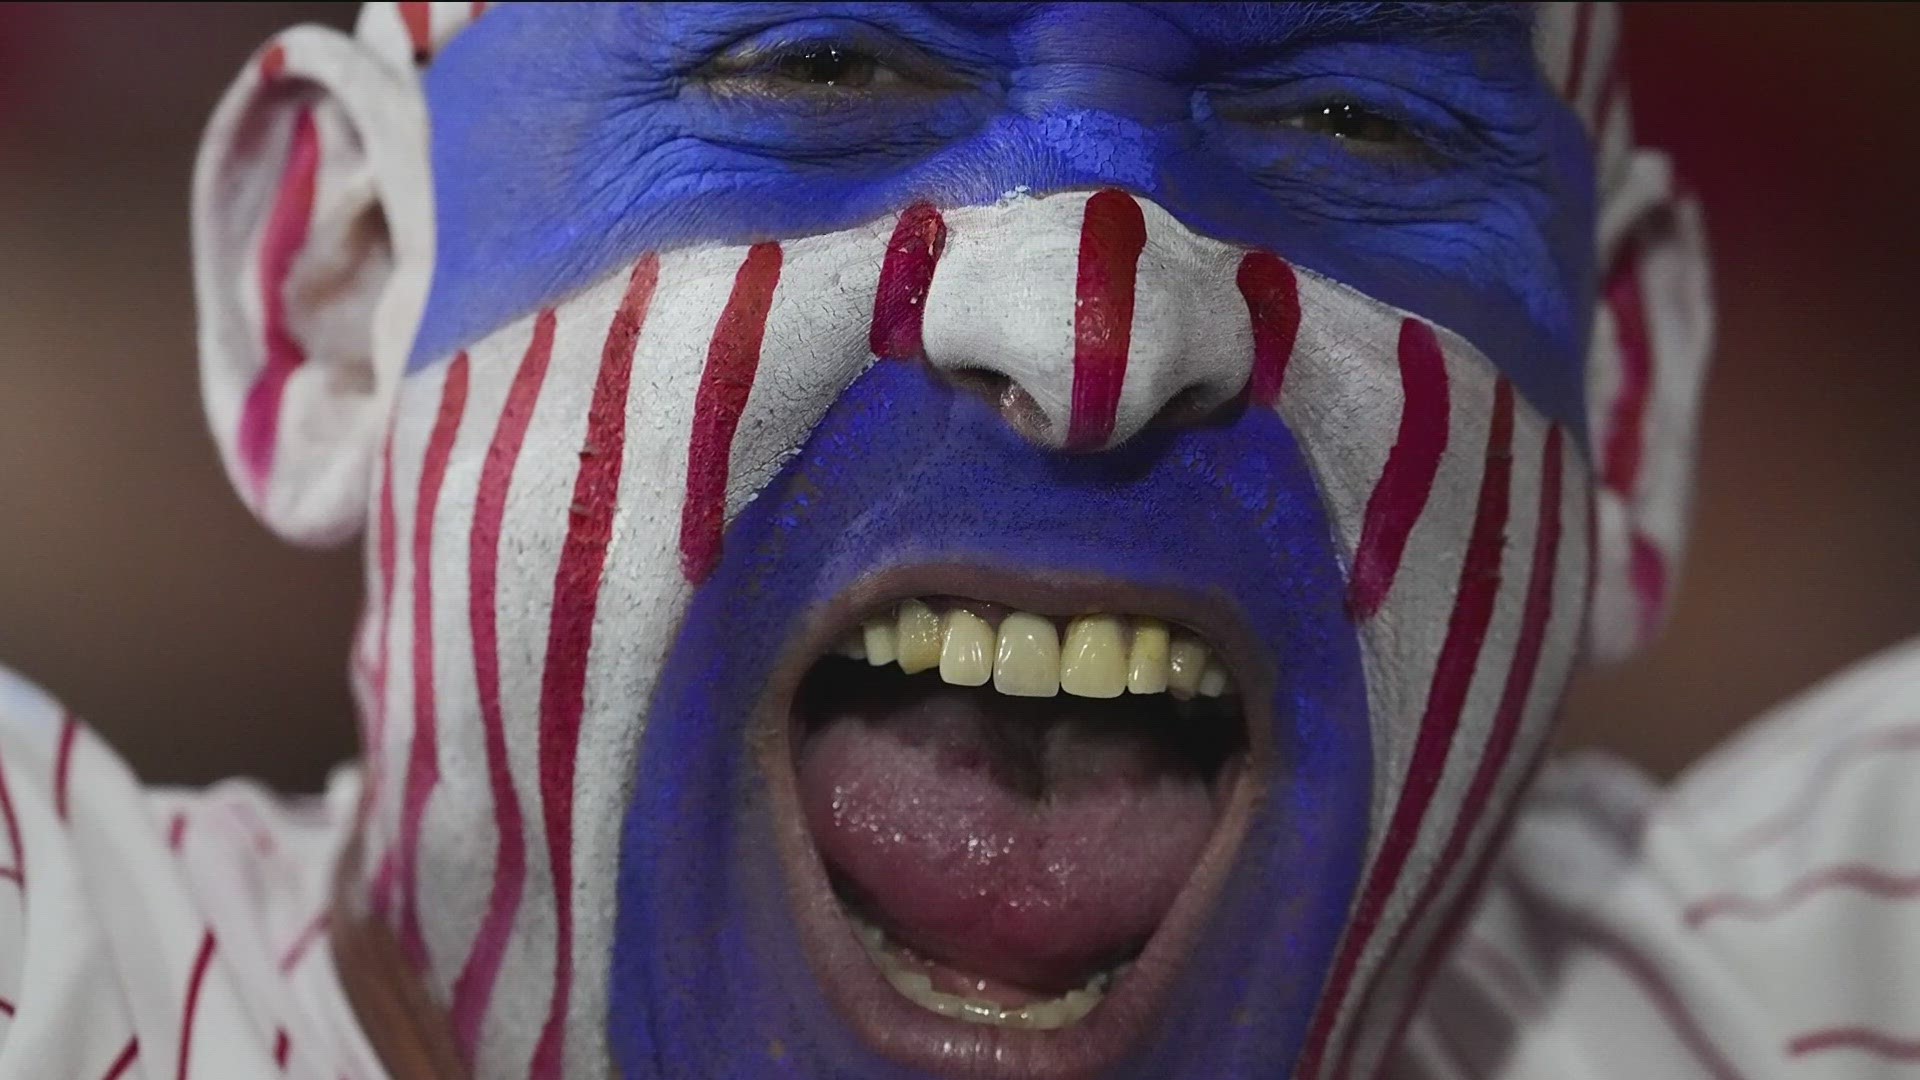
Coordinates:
[966,648]
[917,637]
[1093,662]
[852,645]
[1186,661]
[1213,679]
[878,636]
[1147,659]
[1026,659]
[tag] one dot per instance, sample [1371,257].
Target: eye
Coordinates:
[821,72]
[830,66]
[1355,123]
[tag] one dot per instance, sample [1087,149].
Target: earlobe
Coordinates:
[1652,336]
[312,246]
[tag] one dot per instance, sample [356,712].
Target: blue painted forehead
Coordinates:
[570,138]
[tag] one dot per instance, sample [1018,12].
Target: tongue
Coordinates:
[1028,842]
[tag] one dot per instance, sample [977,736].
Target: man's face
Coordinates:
[1181,407]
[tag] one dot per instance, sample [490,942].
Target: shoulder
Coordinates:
[1758,918]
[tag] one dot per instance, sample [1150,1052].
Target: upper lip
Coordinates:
[901,1029]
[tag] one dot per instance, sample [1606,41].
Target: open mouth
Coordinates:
[1006,805]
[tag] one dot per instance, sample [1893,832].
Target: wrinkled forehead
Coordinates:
[570,138]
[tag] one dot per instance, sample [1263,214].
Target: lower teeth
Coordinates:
[914,984]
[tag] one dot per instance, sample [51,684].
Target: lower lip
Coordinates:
[905,1031]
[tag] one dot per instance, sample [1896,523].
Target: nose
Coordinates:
[1084,317]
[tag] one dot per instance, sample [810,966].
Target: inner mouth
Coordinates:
[1008,805]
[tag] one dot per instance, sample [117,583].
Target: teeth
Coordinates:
[1099,656]
[878,637]
[966,649]
[1027,657]
[1186,660]
[918,637]
[1147,660]
[1213,680]
[1094,661]
[916,985]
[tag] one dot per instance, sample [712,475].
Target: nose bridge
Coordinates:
[1092,313]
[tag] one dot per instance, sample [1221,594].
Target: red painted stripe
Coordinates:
[19,866]
[1273,304]
[1577,53]
[1112,235]
[304,941]
[376,734]
[1507,718]
[1647,571]
[12,873]
[732,359]
[473,989]
[194,983]
[281,240]
[1453,673]
[1626,418]
[273,62]
[125,1061]
[63,762]
[1653,982]
[899,304]
[576,596]
[1807,799]
[1854,877]
[282,1046]
[418,18]
[1866,1040]
[1400,497]
[6,1007]
[477,9]
[423,757]
[176,831]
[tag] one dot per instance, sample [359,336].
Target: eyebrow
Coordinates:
[1316,19]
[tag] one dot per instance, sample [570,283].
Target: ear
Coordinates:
[312,249]
[1653,331]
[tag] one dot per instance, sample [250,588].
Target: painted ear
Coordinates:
[312,247]
[1652,335]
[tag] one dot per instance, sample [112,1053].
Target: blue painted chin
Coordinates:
[709,976]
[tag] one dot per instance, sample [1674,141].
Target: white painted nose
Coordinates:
[1085,316]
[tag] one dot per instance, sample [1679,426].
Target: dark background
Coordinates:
[133,584]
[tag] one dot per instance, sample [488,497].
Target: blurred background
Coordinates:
[134,586]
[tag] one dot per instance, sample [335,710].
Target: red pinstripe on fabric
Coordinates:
[899,303]
[418,18]
[473,988]
[576,596]
[733,357]
[1866,1040]
[1800,809]
[1400,496]
[282,1047]
[121,1064]
[1508,716]
[195,981]
[19,868]
[280,242]
[1653,982]
[1853,877]
[1453,673]
[1272,296]
[423,757]
[303,942]
[63,761]
[1112,236]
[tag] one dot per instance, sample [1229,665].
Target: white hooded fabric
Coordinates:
[182,935]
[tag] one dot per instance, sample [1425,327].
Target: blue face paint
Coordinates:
[707,972]
[567,139]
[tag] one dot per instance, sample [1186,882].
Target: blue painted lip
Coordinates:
[883,1018]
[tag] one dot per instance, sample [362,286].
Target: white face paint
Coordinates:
[554,493]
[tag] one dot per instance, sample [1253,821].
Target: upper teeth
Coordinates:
[1103,656]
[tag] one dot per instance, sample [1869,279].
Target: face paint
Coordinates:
[605,525]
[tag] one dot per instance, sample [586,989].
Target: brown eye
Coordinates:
[1345,120]
[828,65]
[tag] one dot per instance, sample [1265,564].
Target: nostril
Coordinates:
[1189,408]
[1008,398]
